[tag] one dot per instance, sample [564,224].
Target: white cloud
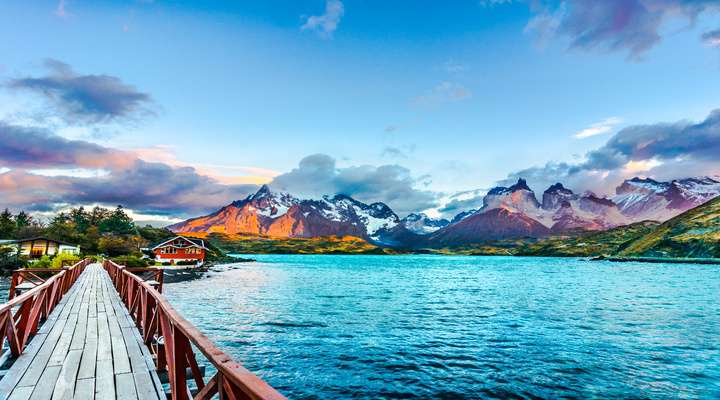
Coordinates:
[598,128]
[326,23]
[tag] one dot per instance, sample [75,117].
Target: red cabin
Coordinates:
[180,248]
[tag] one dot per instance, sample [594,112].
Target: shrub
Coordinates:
[131,261]
[117,245]
[43,262]
[186,262]
[10,261]
[64,260]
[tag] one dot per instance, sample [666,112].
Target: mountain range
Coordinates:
[507,213]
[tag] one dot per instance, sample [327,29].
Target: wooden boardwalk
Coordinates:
[89,348]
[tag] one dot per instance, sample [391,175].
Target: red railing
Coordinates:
[152,275]
[22,315]
[171,338]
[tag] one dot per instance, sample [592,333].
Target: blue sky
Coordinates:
[459,96]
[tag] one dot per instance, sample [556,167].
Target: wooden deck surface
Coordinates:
[89,348]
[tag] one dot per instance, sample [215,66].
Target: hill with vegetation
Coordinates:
[573,244]
[254,244]
[585,244]
[692,234]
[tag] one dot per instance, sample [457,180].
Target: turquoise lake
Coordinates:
[440,327]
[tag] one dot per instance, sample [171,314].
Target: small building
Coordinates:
[180,249]
[42,246]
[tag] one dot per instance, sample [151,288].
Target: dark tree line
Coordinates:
[97,230]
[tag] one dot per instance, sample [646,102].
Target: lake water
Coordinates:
[437,327]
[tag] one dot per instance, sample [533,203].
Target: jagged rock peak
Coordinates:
[262,192]
[555,195]
[520,185]
[558,187]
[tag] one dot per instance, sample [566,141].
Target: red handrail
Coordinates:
[34,306]
[171,337]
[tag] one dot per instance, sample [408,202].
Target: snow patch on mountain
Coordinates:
[422,224]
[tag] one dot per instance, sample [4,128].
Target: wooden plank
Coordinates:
[63,345]
[87,364]
[104,380]
[78,341]
[46,385]
[21,393]
[125,387]
[150,364]
[85,389]
[16,371]
[144,385]
[65,386]
[104,345]
[120,356]
[141,373]
[55,314]
[137,360]
[38,364]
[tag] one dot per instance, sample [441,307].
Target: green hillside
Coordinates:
[692,234]
[607,242]
[252,244]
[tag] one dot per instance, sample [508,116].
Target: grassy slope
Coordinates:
[694,233]
[247,244]
[607,242]
[580,244]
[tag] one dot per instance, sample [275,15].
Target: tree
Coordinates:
[118,222]
[115,246]
[80,219]
[7,225]
[154,235]
[97,215]
[9,261]
[22,220]
[26,226]
[61,228]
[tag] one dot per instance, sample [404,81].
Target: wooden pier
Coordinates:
[104,332]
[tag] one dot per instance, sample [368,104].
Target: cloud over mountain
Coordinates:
[664,150]
[394,185]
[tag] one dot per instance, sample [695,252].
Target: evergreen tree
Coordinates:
[61,228]
[80,218]
[22,220]
[97,215]
[7,225]
[118,222]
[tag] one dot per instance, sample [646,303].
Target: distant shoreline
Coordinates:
[652,260]
[660,260]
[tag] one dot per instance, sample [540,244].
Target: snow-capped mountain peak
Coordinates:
[648,199]
[422,224]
